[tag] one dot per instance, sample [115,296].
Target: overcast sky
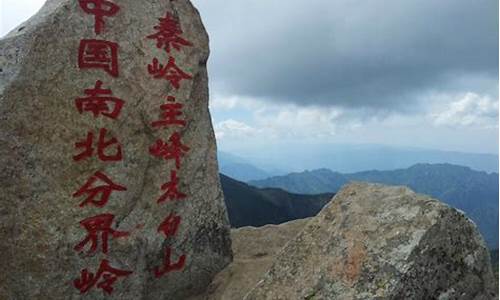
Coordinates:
[404,73]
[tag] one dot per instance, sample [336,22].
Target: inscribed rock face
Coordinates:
[109,185]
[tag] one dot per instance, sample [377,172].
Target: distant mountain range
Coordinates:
[288,157]
[251,206]
[240,169]
[474,192]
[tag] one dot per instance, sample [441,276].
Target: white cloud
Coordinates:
[233,129]
[223,103]
[270,121]
[227,103]
[469,110]
[299,122]
[461,122]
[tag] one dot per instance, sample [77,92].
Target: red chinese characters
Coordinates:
[99,101]
[169,228]
[168,34]
[95,226]
[96,191]
[100,9]
[92,191]
[102,146]
[170,113]
[170,225]
[172,192]
[104,278]
[168,266]
[171,72]
[98,54]
[173,149]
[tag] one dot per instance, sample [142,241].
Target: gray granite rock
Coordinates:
[380,242]
[40,79]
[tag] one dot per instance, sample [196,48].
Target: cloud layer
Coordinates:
[470,110]
[351,53]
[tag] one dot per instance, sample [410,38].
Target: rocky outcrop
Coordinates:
[380,242]
[104,133]
[370,242]
[255,249]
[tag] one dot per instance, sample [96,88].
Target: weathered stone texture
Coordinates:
[39,124]
[379,242]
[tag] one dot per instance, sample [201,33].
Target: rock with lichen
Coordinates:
[380,242]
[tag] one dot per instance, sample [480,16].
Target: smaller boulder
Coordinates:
[380,242]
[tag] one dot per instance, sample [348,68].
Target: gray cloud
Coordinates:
[352,53]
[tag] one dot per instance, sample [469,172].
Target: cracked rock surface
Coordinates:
[39,125]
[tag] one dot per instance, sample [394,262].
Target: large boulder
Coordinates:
[104,133]
[379,242]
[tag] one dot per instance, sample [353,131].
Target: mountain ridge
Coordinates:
[349,158]
[251,206]
[474,192]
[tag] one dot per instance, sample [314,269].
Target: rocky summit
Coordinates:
[381,242]
[109,186]
[370,242]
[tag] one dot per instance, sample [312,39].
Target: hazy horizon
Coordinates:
[346,159]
